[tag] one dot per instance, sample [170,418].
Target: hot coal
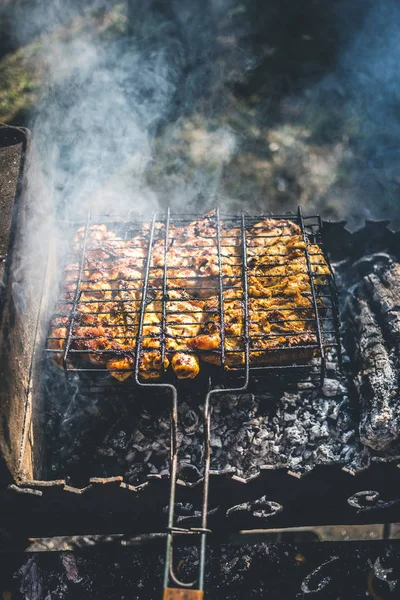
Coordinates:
[130,435]
[102,430]
[372,310]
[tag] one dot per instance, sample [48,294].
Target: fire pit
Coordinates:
[88,453]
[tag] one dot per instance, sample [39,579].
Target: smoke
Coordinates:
[265,105]
[371,65]
[356,111]
[371,68]
[116,73]
[96,124]
[255,105]
[116,76]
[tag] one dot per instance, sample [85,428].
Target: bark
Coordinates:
[372,312]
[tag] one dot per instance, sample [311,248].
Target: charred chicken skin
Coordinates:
[201,280]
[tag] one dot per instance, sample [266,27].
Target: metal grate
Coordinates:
[144,334]
[229,242]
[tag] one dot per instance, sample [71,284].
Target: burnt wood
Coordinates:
[14,144]
[373,312]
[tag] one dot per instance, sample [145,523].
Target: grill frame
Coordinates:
[322,493]
[38,507]
[104,505]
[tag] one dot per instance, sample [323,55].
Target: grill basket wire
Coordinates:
[323,322]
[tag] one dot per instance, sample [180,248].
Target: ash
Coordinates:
[130,436]
[249,431]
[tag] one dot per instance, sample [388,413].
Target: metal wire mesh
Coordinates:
[232,292]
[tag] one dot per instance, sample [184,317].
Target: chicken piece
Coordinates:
[204,260]
[120,368]
[272,334]
[281,327]
[183,322]
[106,316]
[185,366]
[193,258]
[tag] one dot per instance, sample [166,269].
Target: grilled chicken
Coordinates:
[280,311]
[195,275]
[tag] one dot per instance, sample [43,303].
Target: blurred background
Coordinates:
[251,104]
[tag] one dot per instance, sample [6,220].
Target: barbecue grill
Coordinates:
[325,327]
[326,494]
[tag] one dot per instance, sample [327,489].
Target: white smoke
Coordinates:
[106,96]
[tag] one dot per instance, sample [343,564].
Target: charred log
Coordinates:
[373,314]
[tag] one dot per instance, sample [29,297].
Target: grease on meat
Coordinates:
[106,320]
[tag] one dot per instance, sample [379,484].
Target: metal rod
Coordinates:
[77,292]
[207,411]
[165,291]
[144,299]
[221,292]
[314,298]
[169,571]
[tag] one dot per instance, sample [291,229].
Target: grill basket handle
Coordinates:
[180,594]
